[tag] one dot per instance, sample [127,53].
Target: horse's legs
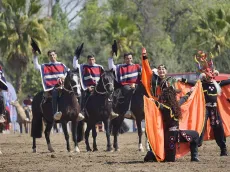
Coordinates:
[89,127]
[115,137]
[25,126]
[147,142]
[139,129]
[64,128]
[115,143]
[94,134]
[20,127]
[107,132]
[74,125]
[34,145]
[47,136]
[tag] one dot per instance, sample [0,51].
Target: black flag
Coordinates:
[114,47]
[35,46]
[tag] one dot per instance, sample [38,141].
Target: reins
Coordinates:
[104,86]
[71,90]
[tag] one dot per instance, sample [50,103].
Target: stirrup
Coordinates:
[57,115]
[113,115]
[129,114]
[80,117]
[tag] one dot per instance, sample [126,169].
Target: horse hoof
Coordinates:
[89,150]
[141,150]
[34,150]
[51,150]
[117,150]
[109,149]
[77,150]
[95,149]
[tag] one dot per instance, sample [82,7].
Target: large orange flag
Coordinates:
[146,75]
[193,113]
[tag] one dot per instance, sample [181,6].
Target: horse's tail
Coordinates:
[118,125]
[37,125]
[80,131]
[124,128]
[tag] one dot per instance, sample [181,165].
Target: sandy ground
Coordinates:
[17,156]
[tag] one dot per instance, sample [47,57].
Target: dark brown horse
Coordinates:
[98,108]
[120,106]
[67,104]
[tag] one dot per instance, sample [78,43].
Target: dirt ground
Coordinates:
[17,156]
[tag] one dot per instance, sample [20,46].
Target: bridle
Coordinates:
[104,86]
[71,90]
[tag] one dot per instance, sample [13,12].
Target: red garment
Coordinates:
[128,74]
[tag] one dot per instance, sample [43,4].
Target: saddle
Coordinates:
[118,97]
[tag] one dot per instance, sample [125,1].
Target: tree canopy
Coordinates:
[171,31]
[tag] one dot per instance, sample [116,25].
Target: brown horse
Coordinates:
[67,104]
[99,108]
[120,106]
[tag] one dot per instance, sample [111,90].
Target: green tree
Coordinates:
[121,26]
[213,31]
[18,23]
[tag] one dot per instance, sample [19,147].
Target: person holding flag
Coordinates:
[172,126]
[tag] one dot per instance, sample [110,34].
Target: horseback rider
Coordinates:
[3,86]
[128,75]
[89,74]
[53,74]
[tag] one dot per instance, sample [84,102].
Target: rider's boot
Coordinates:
[81,116]
[224,152]
[129,114]
[194,152]
[113,115]
[57,115]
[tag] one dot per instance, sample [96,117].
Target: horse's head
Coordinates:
[72,82]
[106,83]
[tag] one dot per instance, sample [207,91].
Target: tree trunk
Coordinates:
[18,82]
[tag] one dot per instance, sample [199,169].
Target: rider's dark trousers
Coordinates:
[173,138]
[55,100]
[84,98]
[217,126]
